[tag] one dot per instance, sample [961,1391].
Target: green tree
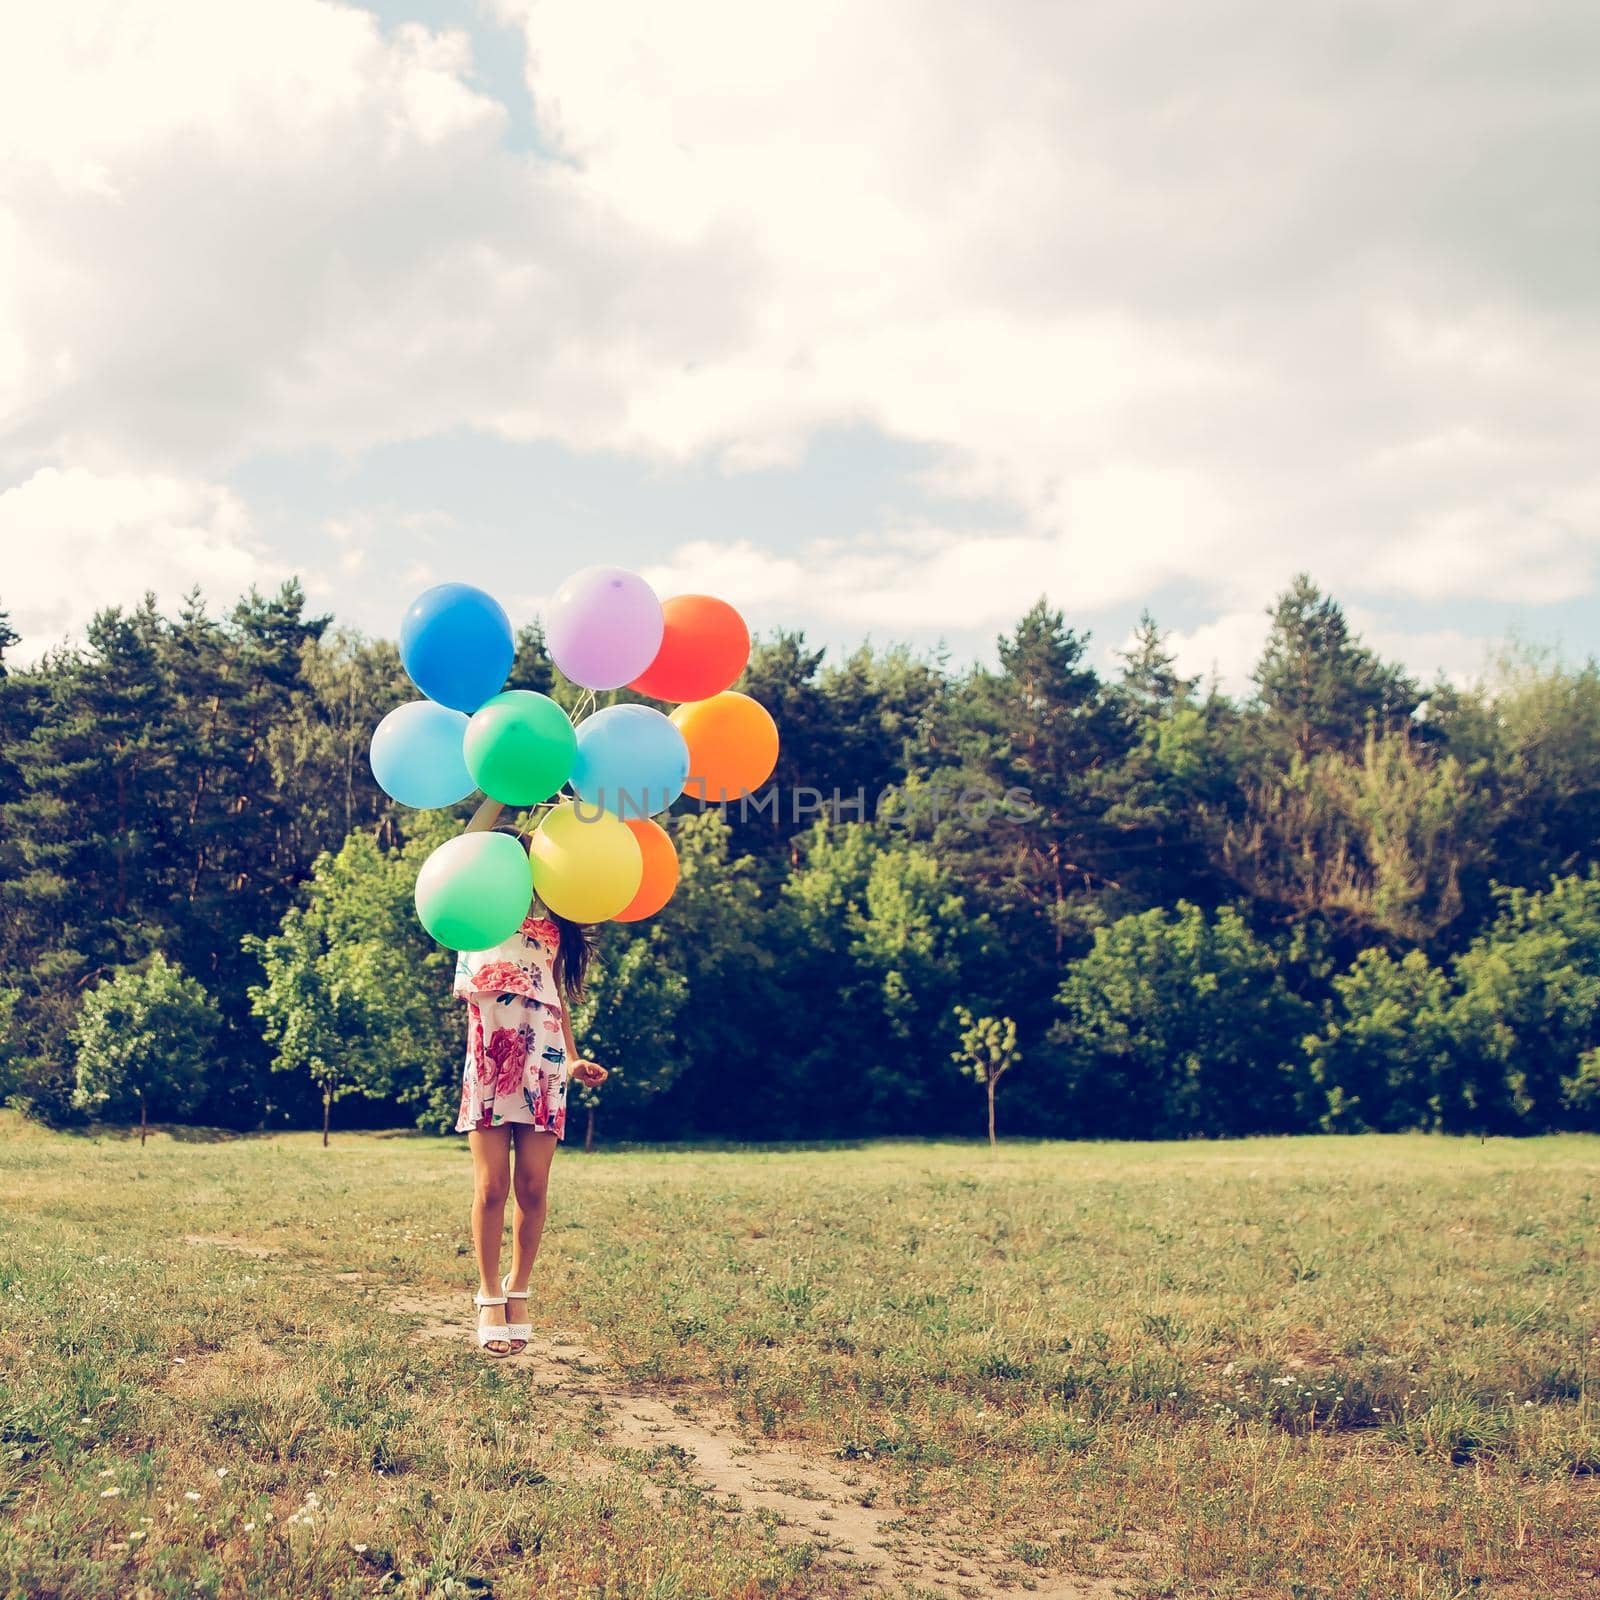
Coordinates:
[8,637]
[1176,1024]
[845,729]
[8,1072]
[318,746]
[531,668]
[876,938]
[1528,738]
[1375,843]
[1015,786]
[1319,686]
[712,932]
[355,996]
[145,1034]
[1180,768]
[88,836]
[1525,1013]
[1150,676]
[628,1021]
[1383,1054]
[987,1052]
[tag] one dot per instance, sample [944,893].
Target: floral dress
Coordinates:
[516,1066]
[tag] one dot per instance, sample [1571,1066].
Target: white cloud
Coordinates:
[1225,649]
[233,228]
[75,542]
[1089,251]
[1195,295]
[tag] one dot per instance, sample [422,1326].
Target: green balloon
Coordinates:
[520,747]
[474,890]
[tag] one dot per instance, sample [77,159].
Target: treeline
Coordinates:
[1346,901]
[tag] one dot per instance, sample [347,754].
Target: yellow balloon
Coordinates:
[587,865]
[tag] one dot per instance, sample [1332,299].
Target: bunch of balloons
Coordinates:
[597,854]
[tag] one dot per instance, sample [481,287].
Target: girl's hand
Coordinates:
[589,1073]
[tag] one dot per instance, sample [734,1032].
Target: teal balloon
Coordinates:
[416,755]
[474,890]
[519,747]
[631,761]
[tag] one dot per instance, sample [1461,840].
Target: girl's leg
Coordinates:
[491,1181]
[531,1181]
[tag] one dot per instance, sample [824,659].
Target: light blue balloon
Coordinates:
[631,760]
[416,755]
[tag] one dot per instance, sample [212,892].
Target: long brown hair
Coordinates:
[576,948]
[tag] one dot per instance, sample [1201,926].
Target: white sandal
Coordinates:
[519,1333]
[492,1335]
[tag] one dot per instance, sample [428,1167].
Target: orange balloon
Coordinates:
[733,745]
[704,646]
[660,870]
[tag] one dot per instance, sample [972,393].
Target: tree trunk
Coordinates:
[143,1124]
[588,1133]
[327,1114]
[992,1140]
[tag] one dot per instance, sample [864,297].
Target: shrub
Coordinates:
[1178,1024]
[1384,1051]
[144,1035]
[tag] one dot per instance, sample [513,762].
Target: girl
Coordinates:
[520,1054]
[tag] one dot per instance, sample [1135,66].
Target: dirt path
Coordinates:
[846,1512]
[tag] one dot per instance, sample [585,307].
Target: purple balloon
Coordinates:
[604,627]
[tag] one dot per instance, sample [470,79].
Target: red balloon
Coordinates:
[704,646]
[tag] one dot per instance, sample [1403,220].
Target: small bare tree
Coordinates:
[988,1051]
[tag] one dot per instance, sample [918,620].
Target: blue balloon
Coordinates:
[456,645]
[416,755]
[631,760]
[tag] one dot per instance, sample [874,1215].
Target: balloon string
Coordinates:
[584,706]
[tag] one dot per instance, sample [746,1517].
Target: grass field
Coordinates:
[1322,1367]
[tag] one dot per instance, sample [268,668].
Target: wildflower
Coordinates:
[180,1361]
[249,1527]
[360,1549]
[189,1494]
[109,1494]
[222,1472]
[108,1472]
[138,1533]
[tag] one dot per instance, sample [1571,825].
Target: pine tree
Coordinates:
[532,667]
[1181,759]
[8,637]
[88,832]
[1150,678]
[1038,741]
[1319,686]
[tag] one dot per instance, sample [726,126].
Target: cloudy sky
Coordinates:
[879,319]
